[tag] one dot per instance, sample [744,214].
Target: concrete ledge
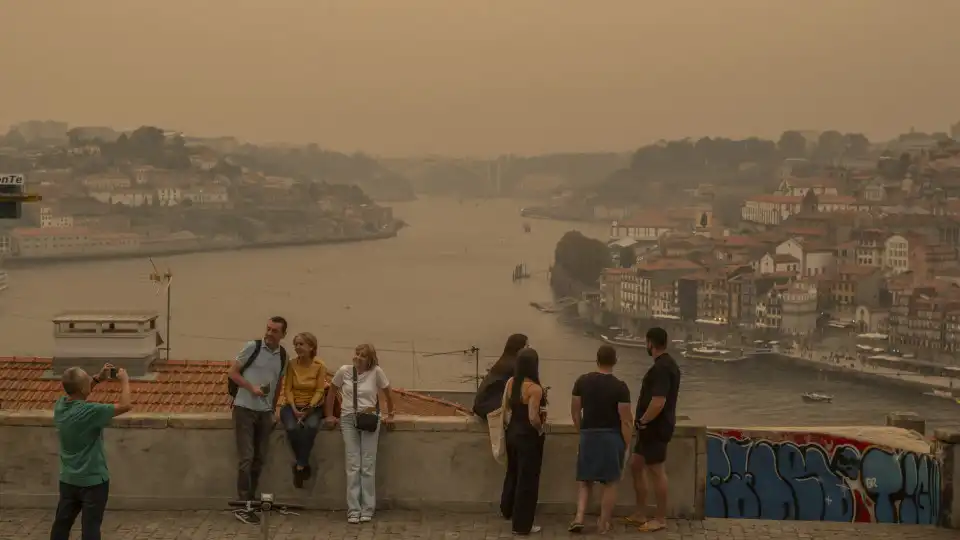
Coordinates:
[136,420]
[949,436]
[187,461]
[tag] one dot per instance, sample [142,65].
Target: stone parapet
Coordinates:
[188,461]
[948,452]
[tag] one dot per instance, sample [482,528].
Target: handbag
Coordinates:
[364,421]
[497,422]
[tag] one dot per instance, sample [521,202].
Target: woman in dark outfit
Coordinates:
[490,393]
[524,438]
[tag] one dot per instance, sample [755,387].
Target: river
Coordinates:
[443,285]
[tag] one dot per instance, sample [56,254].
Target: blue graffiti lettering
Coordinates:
[783,480]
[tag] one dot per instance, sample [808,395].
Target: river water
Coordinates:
[443,285]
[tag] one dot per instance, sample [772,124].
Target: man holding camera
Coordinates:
[84,480]
[256,372]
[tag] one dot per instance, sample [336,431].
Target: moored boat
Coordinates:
[816,397]
[625,340]
[713,354]
[946,394]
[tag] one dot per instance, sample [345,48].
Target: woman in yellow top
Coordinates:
[304,386]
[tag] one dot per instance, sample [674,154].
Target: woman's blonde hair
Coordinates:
[310,340]
[369,354]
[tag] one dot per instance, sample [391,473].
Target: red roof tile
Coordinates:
[180,386]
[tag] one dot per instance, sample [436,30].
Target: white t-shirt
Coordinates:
[369,384]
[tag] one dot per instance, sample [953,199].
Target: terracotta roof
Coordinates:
[785,258]
[855,269]
[733,241]
[666,263]
[180,386]
[805,231]
[812,182]
[777,199]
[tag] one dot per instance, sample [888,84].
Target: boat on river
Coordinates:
[625,340]
[713,354]
[816,397]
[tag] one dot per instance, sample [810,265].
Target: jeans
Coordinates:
[92,501]
[252,429]
[301,434]
[361,459]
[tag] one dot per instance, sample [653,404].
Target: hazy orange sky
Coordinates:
[480,77]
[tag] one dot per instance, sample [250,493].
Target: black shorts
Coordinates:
[652,450]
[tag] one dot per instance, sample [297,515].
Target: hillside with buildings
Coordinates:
[109,194]
[869,245]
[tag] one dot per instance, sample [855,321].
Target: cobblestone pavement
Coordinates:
[119,525]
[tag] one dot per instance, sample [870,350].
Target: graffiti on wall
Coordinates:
[819,477]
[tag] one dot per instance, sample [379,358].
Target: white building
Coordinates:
[127,197]
[799,309]
[49,219]
[896,254]
[128,340]
[642,228]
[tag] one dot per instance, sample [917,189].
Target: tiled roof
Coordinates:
[180,386]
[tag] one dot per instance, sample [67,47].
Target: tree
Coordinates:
[792,144]
[581,257]
[831,144]
[857,144]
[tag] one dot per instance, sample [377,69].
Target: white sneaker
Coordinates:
[353,520]
[366,519]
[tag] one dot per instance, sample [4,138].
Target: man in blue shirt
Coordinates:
[254,406]
[84,479]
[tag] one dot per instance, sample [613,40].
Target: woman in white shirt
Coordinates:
[361,384]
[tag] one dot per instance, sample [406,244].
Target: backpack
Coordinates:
[232,387]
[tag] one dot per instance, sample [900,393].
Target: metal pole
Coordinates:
[476,366]
[169,292]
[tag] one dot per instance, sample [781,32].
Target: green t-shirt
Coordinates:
[80,429]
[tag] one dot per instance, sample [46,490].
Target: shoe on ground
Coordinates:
[353,520]
[533,530]
[248,517]
[366,519]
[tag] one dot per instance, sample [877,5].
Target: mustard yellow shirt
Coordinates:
[304,384]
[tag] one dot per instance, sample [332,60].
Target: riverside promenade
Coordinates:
[397,525]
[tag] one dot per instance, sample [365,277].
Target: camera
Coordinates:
[265,388]
[113,373]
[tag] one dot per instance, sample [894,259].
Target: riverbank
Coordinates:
[853,369]
[211,247]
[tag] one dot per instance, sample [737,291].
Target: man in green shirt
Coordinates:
[84,480]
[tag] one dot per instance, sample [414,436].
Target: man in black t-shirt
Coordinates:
[600,409]
[655,421]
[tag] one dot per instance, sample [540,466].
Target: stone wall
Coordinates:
[189,461]
[864,474]
[948,452]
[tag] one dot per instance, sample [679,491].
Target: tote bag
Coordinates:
[497,425]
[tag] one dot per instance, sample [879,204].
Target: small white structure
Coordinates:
[89,339]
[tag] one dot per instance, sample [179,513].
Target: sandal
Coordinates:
[606,528]
[575,527]
[635,521]
[652,526]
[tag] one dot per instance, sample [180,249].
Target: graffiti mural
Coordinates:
[818,477]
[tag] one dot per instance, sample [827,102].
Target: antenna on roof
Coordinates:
[162,280]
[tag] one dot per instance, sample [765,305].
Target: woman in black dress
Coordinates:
[524,438]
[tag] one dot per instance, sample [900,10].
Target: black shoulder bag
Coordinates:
[232,387]
[365,421]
